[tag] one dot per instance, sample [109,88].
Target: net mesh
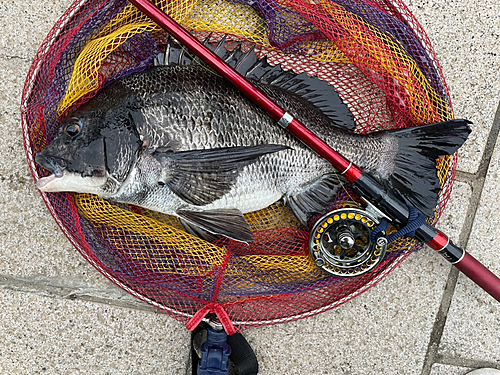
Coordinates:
[374,53]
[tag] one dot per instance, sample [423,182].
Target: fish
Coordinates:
[179,139]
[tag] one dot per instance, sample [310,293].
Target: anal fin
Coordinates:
[221,222]
[198,231]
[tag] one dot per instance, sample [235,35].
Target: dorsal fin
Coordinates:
[317,92]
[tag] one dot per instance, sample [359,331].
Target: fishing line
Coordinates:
[343,186]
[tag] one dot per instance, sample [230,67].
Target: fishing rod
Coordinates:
[365,185]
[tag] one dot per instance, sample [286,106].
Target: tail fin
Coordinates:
[414,177]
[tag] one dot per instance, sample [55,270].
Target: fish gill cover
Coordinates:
[374,53]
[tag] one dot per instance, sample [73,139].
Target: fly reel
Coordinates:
[340,242]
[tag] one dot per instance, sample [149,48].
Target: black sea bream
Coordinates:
[181,140]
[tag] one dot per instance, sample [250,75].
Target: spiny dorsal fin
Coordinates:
[317,92]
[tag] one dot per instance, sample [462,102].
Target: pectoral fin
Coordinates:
[211,224]
[200,177]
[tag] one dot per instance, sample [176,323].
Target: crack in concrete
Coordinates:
[476,181]
[15,57]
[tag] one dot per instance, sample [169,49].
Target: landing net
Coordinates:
[374,53]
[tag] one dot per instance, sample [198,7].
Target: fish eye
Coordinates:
[73,128]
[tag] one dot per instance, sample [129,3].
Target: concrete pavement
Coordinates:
[60,316]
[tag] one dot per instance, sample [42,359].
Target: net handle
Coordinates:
[363,183]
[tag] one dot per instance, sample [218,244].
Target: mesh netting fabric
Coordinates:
[374,53]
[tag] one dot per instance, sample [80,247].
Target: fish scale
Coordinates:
[240,122]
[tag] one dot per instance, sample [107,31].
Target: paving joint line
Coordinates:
[56,288]
[476,181]
[466,177]
[466,362]
[439,323]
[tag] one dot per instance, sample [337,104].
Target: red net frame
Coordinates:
[49,77]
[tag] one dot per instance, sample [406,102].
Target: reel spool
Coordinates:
[340,242]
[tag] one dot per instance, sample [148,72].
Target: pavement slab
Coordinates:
[24,25]
[439,369]
[473,324]
[42,335]
[466,37]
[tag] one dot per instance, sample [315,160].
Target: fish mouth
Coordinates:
[52,164]
[71,182]
[62,179]
[44,183]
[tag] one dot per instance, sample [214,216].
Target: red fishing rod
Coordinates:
[363,183]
